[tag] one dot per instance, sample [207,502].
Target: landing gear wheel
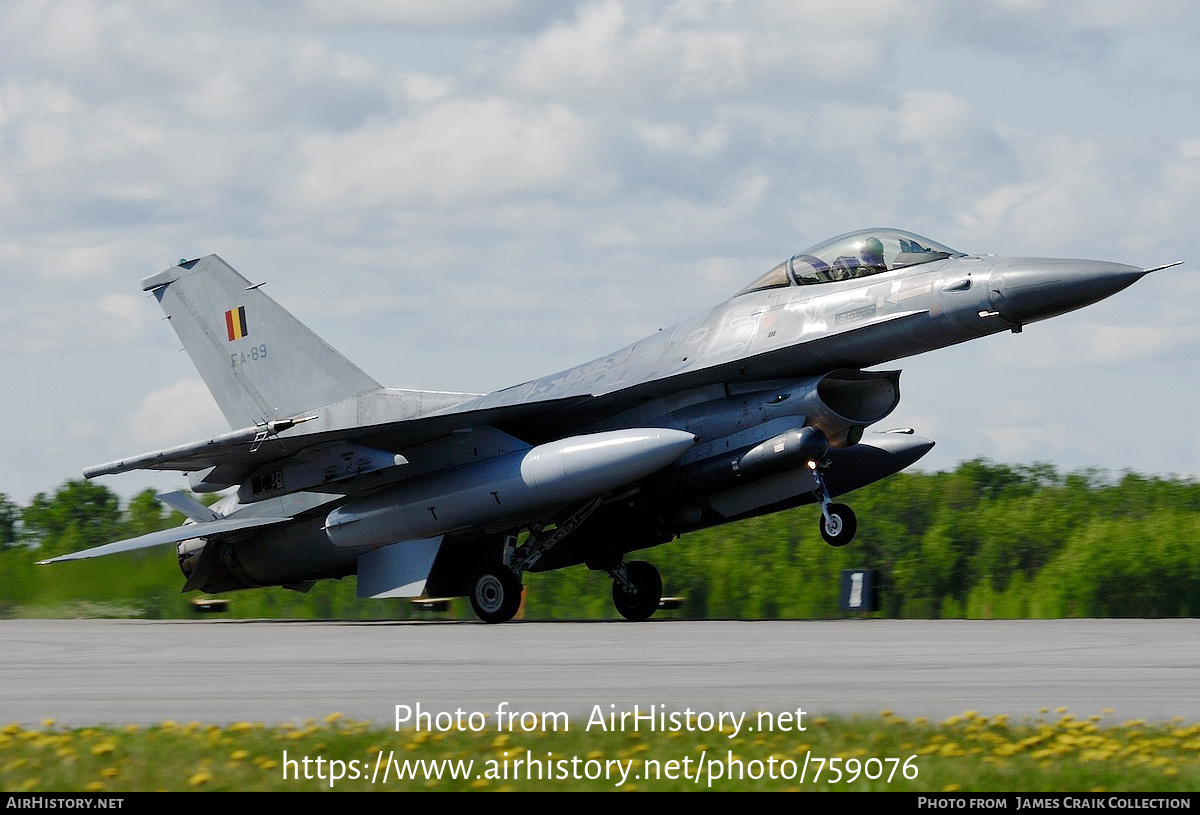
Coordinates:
[839,529]
[495,593]
[643,601]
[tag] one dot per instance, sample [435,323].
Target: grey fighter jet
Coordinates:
[753,407]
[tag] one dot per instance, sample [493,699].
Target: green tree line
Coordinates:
[982,541]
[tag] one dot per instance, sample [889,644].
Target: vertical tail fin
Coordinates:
[259,362]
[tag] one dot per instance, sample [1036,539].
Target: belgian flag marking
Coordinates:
[235,323]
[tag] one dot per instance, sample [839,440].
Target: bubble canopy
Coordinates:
[853,255]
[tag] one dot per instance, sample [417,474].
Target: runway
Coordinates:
[83,672]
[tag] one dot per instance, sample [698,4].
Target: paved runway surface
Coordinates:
[82,672]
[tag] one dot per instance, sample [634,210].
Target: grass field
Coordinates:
[969,752]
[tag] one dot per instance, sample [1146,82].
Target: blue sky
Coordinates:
[464,196]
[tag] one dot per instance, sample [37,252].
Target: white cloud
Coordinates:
[424,88]
[409,13]
[661,54]
[450,152]
[123,308]
[1084,344]
[1037,441]
[1122,345]
[181,411]
[56,322]
[676,139]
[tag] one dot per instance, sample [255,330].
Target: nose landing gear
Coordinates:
[837,522]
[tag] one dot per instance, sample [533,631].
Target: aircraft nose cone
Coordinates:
[1027,289]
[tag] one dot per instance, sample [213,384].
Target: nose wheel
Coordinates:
[837,522]
[637,590]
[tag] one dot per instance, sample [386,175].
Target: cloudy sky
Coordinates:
[465,195]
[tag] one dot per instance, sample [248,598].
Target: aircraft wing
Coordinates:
[176,534]
[253,446]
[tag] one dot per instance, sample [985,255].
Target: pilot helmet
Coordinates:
[872,251]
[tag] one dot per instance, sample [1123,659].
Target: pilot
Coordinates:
[872,257]
[845,268]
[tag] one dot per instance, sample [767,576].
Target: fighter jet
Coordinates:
[758,405]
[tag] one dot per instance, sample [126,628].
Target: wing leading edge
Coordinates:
[209,529]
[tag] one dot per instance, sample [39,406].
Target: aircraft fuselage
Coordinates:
[759,404]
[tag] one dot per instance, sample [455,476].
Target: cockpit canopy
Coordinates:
[853,255]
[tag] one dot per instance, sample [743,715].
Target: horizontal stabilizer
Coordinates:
[176,534]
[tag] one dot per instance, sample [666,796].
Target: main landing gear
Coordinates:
[636,592]
[496,588]
[637,589]
[837,522]
[496,593]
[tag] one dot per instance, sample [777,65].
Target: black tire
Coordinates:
[495,594]
[643,601]
[844,525]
